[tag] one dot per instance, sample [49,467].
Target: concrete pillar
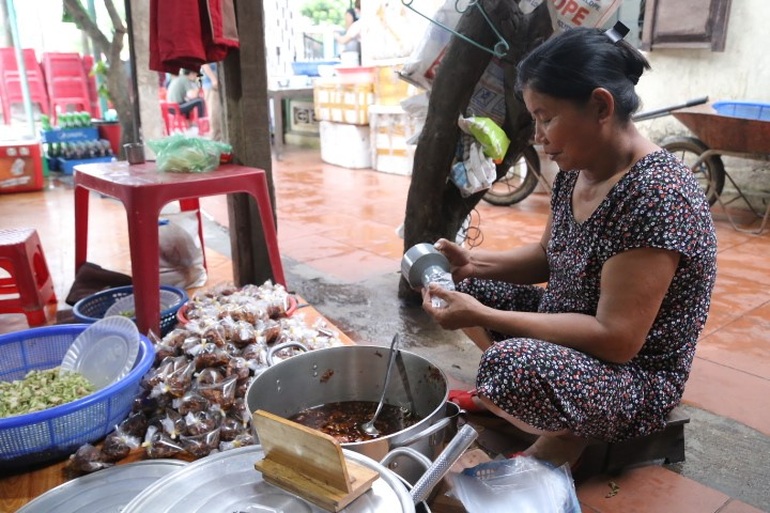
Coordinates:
[147,80]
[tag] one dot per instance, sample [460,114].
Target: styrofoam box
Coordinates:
[345,145]
[390,128]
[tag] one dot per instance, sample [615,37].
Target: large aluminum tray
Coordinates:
[227,482]
[105,491]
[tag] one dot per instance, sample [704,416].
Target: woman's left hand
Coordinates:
[459,310]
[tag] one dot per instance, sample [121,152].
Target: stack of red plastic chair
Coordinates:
[10,81]
[67,82]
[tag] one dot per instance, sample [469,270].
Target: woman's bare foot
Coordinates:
[558,449]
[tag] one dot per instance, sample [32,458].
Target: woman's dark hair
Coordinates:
[352,12]
[574,63]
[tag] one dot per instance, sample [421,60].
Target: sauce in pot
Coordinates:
[343,420]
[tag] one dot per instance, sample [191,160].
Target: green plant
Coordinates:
[323,12]
[100,70]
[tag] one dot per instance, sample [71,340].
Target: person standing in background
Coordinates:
[351,39]
[210,84]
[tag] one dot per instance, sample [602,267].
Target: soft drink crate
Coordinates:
[390,129]
[345,145]
[342,102]
[64,135]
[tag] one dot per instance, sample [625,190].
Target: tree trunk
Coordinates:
[118,79]
[435,208]
[246,108]
[6,38]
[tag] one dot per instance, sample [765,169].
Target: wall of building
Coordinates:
[741,72]
[281,22]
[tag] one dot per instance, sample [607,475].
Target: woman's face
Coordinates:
[348,19]
[568,132]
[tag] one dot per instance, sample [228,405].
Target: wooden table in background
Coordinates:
[278,95]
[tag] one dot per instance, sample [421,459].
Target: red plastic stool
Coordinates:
[144,191]
[21,255]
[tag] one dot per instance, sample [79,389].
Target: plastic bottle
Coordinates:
[45,123]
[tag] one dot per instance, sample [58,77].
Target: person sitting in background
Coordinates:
[185,90]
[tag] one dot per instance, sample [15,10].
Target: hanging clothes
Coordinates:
[188,34]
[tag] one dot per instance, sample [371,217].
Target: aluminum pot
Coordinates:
[355,373]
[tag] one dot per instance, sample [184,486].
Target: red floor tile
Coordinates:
[742,344]
[733,297]
[736,506]
[730,393]
[651,488]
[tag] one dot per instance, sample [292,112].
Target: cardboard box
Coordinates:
[21,167]
[391,128]
[345,145]
[341,102]
[389,89]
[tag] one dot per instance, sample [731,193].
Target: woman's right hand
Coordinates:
[459,259]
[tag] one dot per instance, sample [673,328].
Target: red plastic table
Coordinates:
[144,191]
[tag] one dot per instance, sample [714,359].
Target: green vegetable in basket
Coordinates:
[40,390]
[180,153]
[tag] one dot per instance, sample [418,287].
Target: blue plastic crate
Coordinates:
[310,68]
[54,433]
[92,308]
[60,135]
[743,109]
[53,163]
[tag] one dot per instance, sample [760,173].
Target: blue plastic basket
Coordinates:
[92,308]
[310,68]
[51,434]
[741,109]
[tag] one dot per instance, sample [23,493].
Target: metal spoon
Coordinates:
[368,427]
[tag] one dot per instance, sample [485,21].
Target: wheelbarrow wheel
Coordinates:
[710,173]
[519,181]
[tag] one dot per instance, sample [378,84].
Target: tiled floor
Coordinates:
[342,223]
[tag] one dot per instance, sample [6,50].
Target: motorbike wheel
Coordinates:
[710,173]
[518,182]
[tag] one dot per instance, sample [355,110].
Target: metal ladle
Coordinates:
[368,427]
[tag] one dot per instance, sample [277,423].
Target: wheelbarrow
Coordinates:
[723,128]
[524,174]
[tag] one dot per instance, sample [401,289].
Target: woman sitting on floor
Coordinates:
[603,351]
